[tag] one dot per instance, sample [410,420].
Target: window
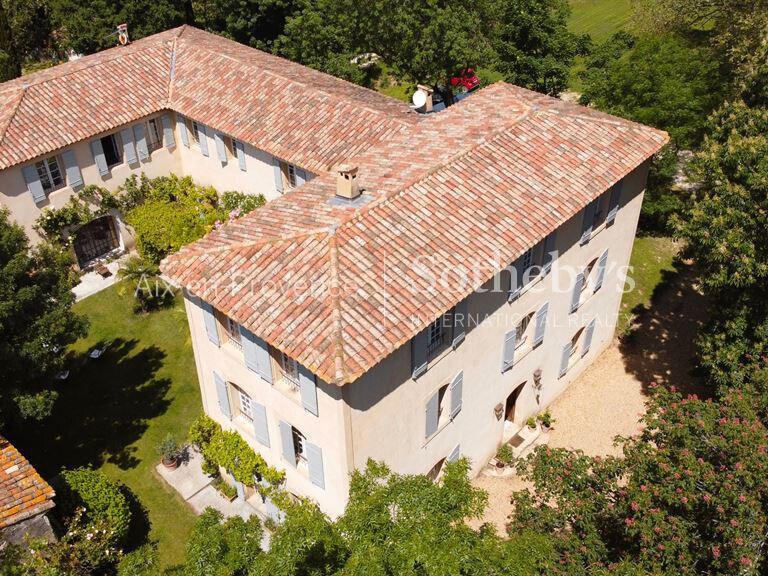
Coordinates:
[289,174]
[233,332]
[437,337]
[290,369]
[196,132]
[521,330]
[527,259]
[233,147]
[299,445]
[245,404]
[601,212]
[154,138]
[575,342]
[442,404]
[434,472]
[50,174]
[111,148]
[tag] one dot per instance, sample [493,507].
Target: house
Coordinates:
[183,101]
[420,301]
[25,499]
[417,286]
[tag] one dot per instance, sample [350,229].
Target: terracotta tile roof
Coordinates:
[303,116]
[23,493]
[335,286]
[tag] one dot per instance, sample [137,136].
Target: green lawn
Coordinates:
[112,412]
[652,262]
[599,18]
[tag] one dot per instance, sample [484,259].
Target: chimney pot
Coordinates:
[346,182]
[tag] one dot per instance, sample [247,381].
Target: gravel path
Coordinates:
[608,399]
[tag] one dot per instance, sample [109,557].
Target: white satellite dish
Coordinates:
[419,98]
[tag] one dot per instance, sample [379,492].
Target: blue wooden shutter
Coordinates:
[456,392]
[508,354]
[168,138]
[129,148]
[315,465]
[221,150]
[565,358]
[74,176]
[238,487]
[601,270]
[210,322]
[264,359]
[286,436]
[586,224]
[301,177]
[256,354]
[278,174]
[308,390]
[222,393]
[260,428]
[34,185]
[589,331]
[98,156]
[240,151]
[455,453]
[432,415]
[141,142]
[576,296]
[182,123]
[541,325]
[550,243]
[203,135]
[613,204]
[419,344]
[460,322]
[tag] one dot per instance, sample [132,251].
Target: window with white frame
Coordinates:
[434,472]
[233,332]
[437,337]
[50,174]
[154,135]
[233,147]
[246,409]
[290,369]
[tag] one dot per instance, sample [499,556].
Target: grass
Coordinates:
[113,412]
[600,18]
[651,263]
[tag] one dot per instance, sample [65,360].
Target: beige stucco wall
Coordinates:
[326,430]
[182,160]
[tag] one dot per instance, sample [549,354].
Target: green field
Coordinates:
[599,18]
[112,412]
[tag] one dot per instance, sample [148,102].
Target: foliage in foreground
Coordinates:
[36,322]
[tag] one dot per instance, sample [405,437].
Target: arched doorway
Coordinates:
[95,239]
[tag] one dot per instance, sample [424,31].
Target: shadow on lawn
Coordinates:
[661,344]
[103,408]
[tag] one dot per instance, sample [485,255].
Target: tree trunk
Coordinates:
[10,66]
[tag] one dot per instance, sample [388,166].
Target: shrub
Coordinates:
[102,498]
[150,291]
[140,562]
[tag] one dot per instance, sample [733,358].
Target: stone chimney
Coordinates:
[428,91]
[346,182]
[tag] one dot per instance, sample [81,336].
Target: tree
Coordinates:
[10,66]
[36,320]
[689,497]
[664,81]
[218,547]
[534,47]
[31,28]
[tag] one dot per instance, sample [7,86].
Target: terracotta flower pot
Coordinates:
[500,465]
[171,463]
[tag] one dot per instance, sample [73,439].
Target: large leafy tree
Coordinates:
[36,320]
[218,547]
[690,495]
[10,66]
[664,81]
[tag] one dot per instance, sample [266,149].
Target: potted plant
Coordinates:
[546,420]
[504,456]
[531,423]
[169,451]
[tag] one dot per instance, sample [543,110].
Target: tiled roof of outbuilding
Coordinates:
[300,115]
[335,286]
[23,493]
